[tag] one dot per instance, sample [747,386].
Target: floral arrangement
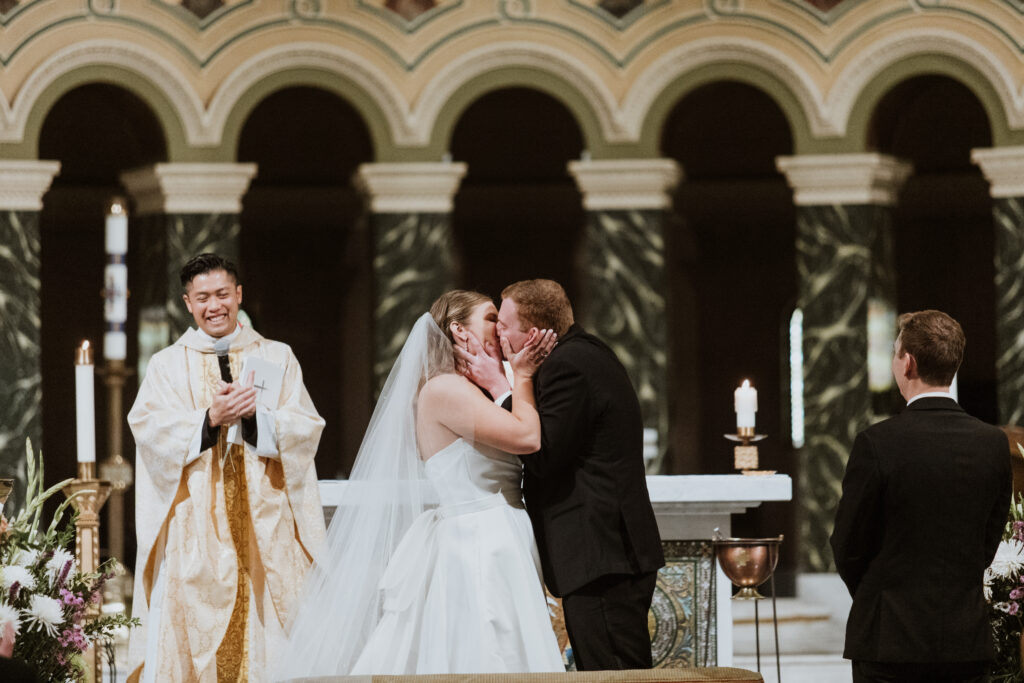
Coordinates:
[47,605]
[1004,590]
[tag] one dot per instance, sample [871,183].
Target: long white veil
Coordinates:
[341,602]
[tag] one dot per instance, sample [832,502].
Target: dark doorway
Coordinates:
[943,235]
[732,286]
[96,131]
[518,213]
[306,256]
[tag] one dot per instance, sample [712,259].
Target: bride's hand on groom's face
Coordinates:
[537,348]
[481,365]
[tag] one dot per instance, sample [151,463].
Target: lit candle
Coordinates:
[115,277]
[746,404]
[85,410]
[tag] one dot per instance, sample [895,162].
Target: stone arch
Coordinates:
[537,67]
[140,71]
[670,78]
[345,74]
[880,67]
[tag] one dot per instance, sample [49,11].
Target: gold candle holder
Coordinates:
[88,496]
[745,456]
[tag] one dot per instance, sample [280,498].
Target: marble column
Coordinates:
[181,209]
[1004,169]
[22,185]
[626,201]
[413,263]
[844,257]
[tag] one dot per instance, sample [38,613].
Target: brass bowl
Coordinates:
[748,562]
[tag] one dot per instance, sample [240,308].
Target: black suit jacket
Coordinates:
[586,489]
[925,500]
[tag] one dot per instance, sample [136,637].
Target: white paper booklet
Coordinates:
[267,381]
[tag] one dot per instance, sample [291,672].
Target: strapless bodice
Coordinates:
[462,472]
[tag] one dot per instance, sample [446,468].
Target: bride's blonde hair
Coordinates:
[455,307]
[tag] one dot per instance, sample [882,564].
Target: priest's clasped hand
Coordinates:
[233,401]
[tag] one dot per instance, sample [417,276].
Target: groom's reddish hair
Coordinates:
[542,304]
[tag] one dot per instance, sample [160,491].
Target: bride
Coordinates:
[430,564]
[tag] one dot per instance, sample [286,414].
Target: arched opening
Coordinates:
[518,213]
[943,237]
[307,255]
[96,132]
[730,265]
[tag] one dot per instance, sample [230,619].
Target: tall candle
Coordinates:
[85,409]
[115,276]
[745,398]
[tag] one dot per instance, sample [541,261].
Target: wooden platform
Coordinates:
[721,674]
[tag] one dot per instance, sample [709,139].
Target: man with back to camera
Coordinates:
[925,500]
[226,529]
[586,489]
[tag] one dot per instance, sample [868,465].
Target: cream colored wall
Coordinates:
[411,80]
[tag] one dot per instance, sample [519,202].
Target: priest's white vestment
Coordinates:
[226,534]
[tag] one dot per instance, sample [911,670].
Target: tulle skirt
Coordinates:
[463,594]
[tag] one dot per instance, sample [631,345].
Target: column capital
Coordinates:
[819,179]
[188,187]
[413,187]
[609,184]
[1003,168]
[24,182]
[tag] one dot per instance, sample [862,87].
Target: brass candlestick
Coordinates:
[745,455]
[118,471]
[89,494]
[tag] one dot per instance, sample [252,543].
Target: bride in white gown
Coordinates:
[430,564]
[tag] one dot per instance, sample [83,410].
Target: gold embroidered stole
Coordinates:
[233,652]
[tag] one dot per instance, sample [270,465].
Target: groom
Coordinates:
[585,490]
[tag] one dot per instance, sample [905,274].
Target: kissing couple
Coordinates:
[469,494]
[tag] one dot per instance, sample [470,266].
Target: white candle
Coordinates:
[745,399]
[85,409]
[117,229]
[115,277]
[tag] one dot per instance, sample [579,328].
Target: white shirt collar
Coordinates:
[228,337]
[932,394]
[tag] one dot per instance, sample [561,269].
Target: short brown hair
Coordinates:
[455,307]
[936,342]
[542,304]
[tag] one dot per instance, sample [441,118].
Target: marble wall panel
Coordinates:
[834,265]
[625,303]
[412,266]
[20,375]
[1009,223]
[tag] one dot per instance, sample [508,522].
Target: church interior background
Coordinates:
[728,189]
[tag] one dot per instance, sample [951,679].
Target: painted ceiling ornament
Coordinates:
[619,8]
[410,9]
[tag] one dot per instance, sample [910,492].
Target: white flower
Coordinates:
[55,566]
[27,557]
[44,614]
[16,575]
[9,615]
[1009,559]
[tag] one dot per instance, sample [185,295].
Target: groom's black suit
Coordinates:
[586,493]
[925,499]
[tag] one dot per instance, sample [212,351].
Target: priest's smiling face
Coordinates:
[213,299]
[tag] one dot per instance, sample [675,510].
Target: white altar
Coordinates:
[688,508]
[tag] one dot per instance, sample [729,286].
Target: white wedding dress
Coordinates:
[428,567]
[462,592]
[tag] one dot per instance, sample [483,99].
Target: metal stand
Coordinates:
[93,494]
[749,563]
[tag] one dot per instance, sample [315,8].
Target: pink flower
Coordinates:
[1013,608]
[1017,593]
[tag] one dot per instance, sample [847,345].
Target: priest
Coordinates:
[228,512]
